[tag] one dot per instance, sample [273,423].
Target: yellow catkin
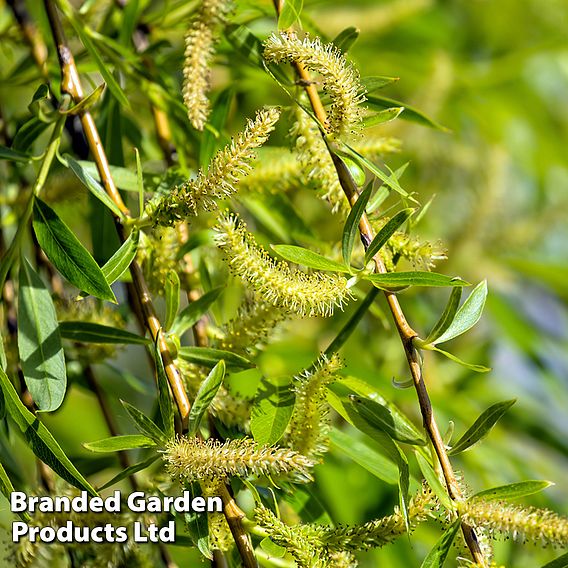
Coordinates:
[157,255]
[309,426]
[221,179]
[190,459]
[314,294]
[524,523]
[340,79]
[200,41]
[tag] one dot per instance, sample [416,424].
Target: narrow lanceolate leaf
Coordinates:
[209,357]
[86,103]
[271,411]
[452,357]
[13,155]
[119,262]
[382,116]
[514,490]
[92,185]
[346,38]
[290,14]
[164,399]
[67,254]
[468,315]
[437,556]
[390,181]
[351,228]
[39,342]
[391,280]
[39,439]
[386,233]
[120,443]
[206,393]
[89,332]
[434,482]
[560,562]
[130,471]
[376,82]
[482,426]
[308,258]
[7,488]
[190,315]
[380,416]
[447,316]
[172,298]
[144,424]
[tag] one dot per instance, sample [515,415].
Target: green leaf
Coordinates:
[451,356]
[103,68]
[382,116]
[391,280]
[85,104]
[164,399]
[468,315]
[67,254]
[383,191]
[388,180]
[513,490]
[130,471]
[172,298]
[272,549]
[92,185]
[90,332]
[7,488]
[374,83]
[290,13]
[346,38]
[40,440]
[410,113]
[272,410]
[191,314]
[434,482]
[13,155]
[206,393]
[120,443]
[437,556]
[381,416]
[196,524]
[308,258]
[39,342]
[447,316]
[209,357]
[28,133]
[144,424]
[351,228]
[481,427]
[119,262]
[139,182]
[386,232]
[560,562]
[403,485]
[217,119]
[365,455]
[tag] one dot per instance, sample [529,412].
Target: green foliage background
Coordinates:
[496,75]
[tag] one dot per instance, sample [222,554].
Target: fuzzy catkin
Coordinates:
[309,425]
[200,42]
[314,294]
[527,523]
[221,179]
[190,459]
[340,79]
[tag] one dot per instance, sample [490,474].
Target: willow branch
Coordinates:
[405,331]
[71,84]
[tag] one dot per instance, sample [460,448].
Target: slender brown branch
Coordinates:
[404,329]
[71,85]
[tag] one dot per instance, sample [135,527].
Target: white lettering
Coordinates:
[19,529]
[18,501]
[136,502]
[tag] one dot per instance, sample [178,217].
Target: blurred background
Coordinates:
[495,75]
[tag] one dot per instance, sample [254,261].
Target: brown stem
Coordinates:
[71,85]
[404,329]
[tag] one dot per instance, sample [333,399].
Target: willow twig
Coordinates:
[405,331]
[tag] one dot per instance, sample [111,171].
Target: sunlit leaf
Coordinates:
[90,332]
[271,411]
[386,232]
[206,393]
[308,258]
[351,228]
[120,443]
[437,556]
[513,490]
